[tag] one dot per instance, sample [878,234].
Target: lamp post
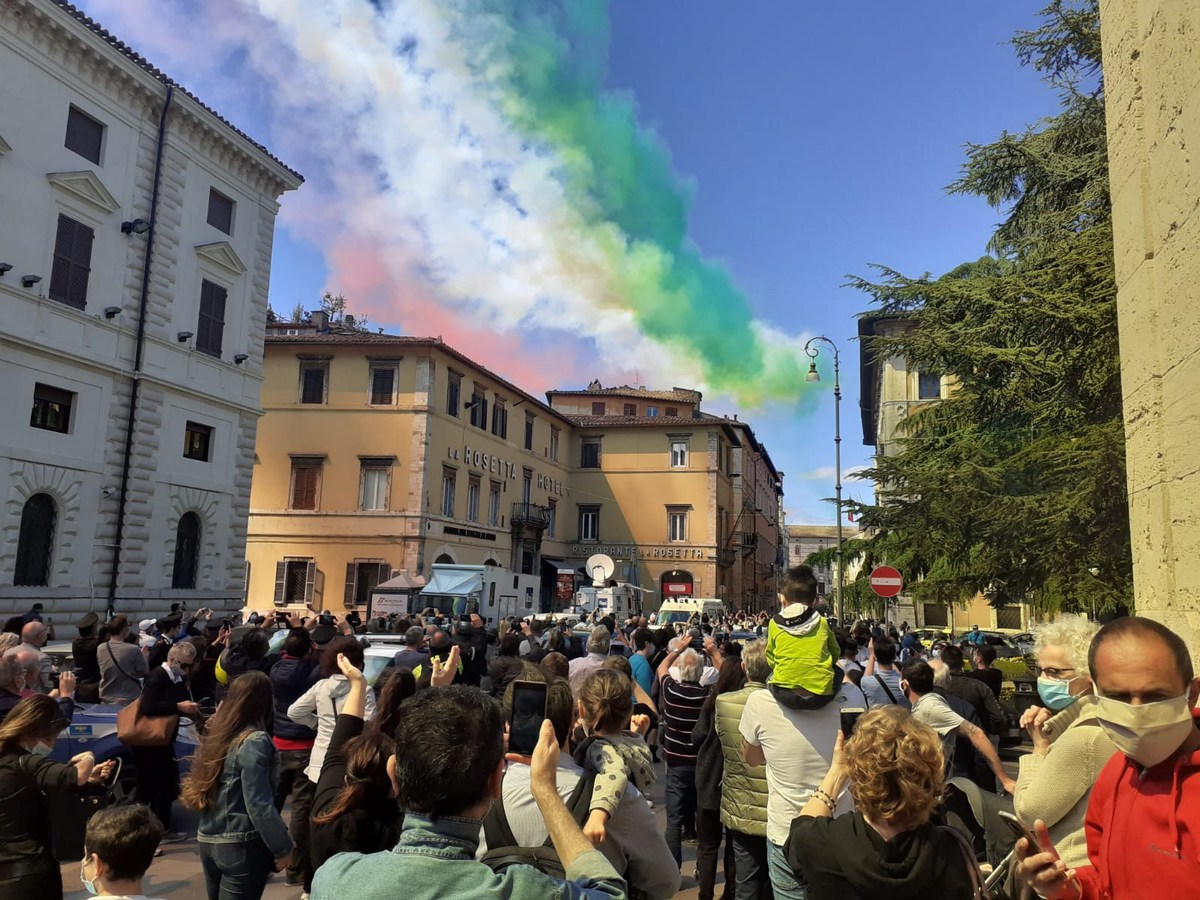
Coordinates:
[814,375]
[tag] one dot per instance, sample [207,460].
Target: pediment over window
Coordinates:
[4,148]
[85,186]
[221,254]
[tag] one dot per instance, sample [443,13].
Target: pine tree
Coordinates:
[1015,484]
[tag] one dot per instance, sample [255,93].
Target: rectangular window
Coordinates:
[553,506]
[306,483]
[312,381]
[929,386]
[449,476]
[630,409]
[527,486]
[652,412]
[597,408]
[589,523]
[473,500]
[85,135]
[373,491]
[499,418]
[51,409]
[479,408]
[677,525]
[197,441]
[494,505]
[383,385]
[211,327]
[554,435]
[590,455]
[679,454]
[671,411]
[72,262]
[220,211]
[453,393]
[529,420]
[294,582]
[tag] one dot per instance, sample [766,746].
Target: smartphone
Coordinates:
[528,712]
[1020,831]
[850,718]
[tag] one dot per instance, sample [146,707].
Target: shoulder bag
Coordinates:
[137,730]
[979,889]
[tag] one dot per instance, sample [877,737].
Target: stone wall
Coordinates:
[1152,76]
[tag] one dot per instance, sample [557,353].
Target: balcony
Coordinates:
[746,541]
[529,515]
[726,557]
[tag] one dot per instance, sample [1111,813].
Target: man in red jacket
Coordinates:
[1143,818]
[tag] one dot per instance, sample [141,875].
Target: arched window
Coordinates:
[187,552]
[36,541]
[444,559]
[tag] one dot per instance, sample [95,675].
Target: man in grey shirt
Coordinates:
[633,842]
[33,638]
[122,665]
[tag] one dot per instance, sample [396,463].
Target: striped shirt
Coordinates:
[680,703]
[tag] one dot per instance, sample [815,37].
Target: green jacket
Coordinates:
[744,787]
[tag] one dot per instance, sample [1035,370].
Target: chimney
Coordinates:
[320,320]
[349,320]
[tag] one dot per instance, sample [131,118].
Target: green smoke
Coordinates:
[552,58]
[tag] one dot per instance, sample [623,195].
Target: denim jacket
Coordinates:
[245,807]
[435,860]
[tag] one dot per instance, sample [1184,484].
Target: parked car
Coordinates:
[1025,642]
[94,728]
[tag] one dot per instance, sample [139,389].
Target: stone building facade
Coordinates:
[101,509]
[1151,82]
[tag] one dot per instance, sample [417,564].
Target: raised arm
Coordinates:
[980,742]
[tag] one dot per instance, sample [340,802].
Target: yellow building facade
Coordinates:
[384,454]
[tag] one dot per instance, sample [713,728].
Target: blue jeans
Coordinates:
[681,807]
[753,882]
[787,886]
[236,871]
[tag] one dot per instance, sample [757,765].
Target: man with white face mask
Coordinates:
[1143,818]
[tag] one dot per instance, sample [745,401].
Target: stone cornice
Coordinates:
[84,50]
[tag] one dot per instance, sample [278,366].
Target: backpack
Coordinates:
[503,851]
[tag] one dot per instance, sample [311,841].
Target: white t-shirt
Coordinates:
[798,746]
[937,714]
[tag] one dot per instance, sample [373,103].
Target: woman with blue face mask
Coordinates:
[1069,746]
[27,735]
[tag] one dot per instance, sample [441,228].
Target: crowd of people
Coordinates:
[802,760]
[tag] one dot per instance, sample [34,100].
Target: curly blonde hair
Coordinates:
[895,766]
[1071,634]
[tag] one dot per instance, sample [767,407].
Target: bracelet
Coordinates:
[825,798]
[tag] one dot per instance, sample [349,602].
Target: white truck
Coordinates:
[620,601]
[679,612]
[493,592]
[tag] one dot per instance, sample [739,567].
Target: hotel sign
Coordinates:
[493,465]
[642,551]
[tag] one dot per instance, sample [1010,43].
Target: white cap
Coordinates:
[146,624]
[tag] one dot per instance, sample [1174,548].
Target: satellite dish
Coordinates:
[600,566]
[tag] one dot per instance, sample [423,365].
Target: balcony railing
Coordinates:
[530,515]
[746,541]
[726,557]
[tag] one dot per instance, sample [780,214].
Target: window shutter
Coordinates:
[210,327]
[314,385]
[280,579]
[72,262]
[351,577]
[385,573]
[381,386]
[310,582]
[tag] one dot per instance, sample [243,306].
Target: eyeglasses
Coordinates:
[1051,672]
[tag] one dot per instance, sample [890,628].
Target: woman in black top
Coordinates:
[28,868]
[888,848]
[507,666]
[354,806]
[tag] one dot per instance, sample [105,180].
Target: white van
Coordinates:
[679,612]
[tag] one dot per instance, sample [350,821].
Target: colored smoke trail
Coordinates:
[467,149]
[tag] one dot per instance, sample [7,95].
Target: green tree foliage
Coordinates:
[1015,484]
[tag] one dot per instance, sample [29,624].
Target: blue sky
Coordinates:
[818,137]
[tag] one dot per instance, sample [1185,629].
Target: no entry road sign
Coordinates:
[886,581]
